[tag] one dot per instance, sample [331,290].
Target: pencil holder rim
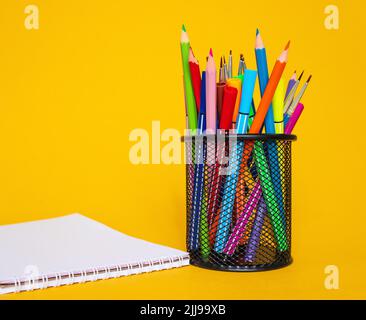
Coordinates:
[255,268]
[241,137]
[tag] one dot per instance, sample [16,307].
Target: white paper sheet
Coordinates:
[72,244]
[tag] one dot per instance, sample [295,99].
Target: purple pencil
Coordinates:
[291,83]
[294,117]
[256,232]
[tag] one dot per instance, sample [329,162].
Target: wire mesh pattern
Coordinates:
[239,201]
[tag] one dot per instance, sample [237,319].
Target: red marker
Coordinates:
[228,106]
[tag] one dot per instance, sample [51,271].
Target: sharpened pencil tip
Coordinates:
[184,28]
[224,60]
[257,32]
[309,78]
[287,45]
[300,75]
[231,52]
[211,54]
[221,62]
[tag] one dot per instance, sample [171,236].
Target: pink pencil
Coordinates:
[294,117]
[211,94]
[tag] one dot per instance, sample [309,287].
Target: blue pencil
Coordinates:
[260,53]
[202,115]
[262,66]
[199,171]
[231,181]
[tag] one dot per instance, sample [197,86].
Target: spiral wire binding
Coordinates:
[93,274]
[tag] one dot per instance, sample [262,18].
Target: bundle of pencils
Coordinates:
[221,224]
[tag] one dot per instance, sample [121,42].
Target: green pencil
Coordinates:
[190,100]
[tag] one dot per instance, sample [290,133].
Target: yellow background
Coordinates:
[71,92]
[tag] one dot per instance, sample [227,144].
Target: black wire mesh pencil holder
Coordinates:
[238,190]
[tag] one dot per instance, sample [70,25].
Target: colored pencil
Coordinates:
[290,97]
[265,185]
[261,58]
[202,113]
[194,223]
[212,167]
[229,100]
[191,103]
[272,148]
[198,186]
[261,162]
[234,162]
[290,83]
[211,108]
[253,198]
[270,90]
[227,216]
[253,242]
[185,105]
[194,68]
[296,101]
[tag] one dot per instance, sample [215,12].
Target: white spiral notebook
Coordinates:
[75,249]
